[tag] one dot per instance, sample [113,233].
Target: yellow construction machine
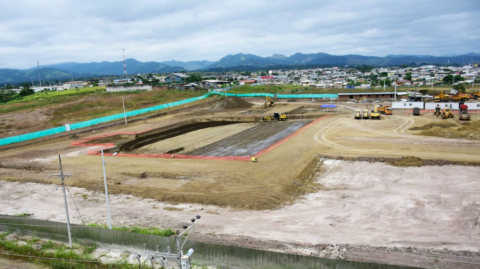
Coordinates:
[269,102]
[358,114]
[276,116]
[447,113]
[365,114]
[459,96]
[441,97]
[476,95]
[375,114]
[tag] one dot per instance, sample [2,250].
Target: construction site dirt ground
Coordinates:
[290,195]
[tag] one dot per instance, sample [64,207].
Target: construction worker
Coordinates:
[463,107]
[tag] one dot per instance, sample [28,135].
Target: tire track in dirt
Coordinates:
[326,130]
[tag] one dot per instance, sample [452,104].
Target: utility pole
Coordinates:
[383,85]
[62,176]
[124,113]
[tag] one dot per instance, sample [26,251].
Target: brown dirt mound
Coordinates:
[443,124]
[473,126]
[231,102]
[407,161]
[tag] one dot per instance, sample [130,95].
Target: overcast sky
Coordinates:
[93,31]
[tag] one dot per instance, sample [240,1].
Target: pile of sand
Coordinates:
[231,102]
[470,131]
[442,124]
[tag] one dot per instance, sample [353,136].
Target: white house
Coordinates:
[73,85]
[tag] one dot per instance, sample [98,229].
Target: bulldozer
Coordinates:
[276,116]
[269,102]
[358,114]
[365,114]
[447,113]
[374,114]
[385,110]
[441,97]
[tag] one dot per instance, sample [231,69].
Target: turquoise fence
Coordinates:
[304,96]
[83,124]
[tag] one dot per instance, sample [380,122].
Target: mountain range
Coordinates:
[72,70]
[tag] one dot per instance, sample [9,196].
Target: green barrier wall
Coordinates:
[83,124]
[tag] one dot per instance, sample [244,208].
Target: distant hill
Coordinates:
[241,61]
[189,66]
[321,59]
[115,68]
[14,76]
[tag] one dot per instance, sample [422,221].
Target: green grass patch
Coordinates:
[58,254]
[134,229]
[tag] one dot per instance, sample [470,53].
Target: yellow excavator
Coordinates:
[269,102]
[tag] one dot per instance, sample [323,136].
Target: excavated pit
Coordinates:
[210,138]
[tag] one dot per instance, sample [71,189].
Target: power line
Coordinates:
[48,195]
[76,207]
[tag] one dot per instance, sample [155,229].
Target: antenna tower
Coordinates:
[38,68]
[124,65]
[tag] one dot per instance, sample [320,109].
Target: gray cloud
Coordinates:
[84,31]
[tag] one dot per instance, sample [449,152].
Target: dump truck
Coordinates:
[447,113]
[385,110]
[365,114]
[374,114]
[358,114]
[269,102]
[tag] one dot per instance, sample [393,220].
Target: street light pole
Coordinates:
[106,191]
[395,89]
[124,114]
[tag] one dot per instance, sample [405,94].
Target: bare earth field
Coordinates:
[290,200]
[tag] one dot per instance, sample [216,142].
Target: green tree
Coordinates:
[408,76]
[263,74]
[459,87]
[384,74]
[448,79]
[459,78]
[423,91]
[26,90]
[194,78]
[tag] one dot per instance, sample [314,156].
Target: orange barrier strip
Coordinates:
[81,142]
